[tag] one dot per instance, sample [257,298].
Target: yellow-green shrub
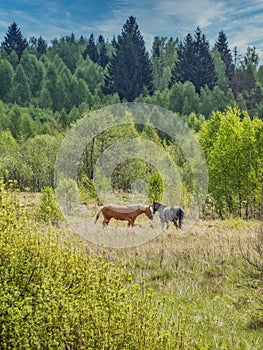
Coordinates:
[48,210]
[55,296]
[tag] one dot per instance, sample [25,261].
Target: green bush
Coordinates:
[67,193]
[55,296]
[155,187]
[87,189]
[48,210]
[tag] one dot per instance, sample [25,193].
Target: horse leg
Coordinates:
[106,222]
[130,223]
[175,222]
[167,224]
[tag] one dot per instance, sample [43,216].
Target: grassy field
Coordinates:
[193,291]
[211,297]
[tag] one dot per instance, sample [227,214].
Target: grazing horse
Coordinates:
[167,214]
[123,212]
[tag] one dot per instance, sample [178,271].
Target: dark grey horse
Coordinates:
[174,214]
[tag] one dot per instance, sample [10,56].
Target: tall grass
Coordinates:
[59,292]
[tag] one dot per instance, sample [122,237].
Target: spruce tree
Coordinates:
[222,46]
[102,51]
[91,50]
[130,72]
[41,47]
[195,62]
[14,41]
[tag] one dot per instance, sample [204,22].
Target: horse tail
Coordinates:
[98,214]
[180,217]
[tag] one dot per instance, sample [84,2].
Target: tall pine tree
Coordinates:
[91,50]
[195,62]
[41,47]
[102,51]
[222,46]
[130,72]
[14,41]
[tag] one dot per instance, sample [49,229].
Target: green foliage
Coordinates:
[233,158]
[7,76]
[31,162]
[195,63]
[227,79]
[14,41]
[39,154]
[48,210]
[87,190]
[68,194]
[63,76]
[91,50]
[163,61]
[155,187]
[129,71]
[91,73]
[220,68]
[68,49]
[7,142]
[103,52]
[21,93]
[55,296]
[34,71]
[45,90]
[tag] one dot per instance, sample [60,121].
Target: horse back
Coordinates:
[126,209]
[119,212]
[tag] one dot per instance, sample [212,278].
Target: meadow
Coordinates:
[197,290]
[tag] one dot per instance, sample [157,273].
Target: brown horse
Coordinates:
[123,212]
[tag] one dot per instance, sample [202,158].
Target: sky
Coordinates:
[241,20]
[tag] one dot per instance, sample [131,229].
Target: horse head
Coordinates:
[155,206]
[148,210]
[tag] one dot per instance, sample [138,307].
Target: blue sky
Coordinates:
[242,21]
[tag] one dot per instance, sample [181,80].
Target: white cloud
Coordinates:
[241,21]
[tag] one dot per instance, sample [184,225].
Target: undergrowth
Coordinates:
[198,290]
[56,296]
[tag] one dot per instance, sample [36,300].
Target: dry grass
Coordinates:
[208,297]
[202,283]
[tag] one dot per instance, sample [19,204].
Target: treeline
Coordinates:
[187,76]
[45,89]
[232,143]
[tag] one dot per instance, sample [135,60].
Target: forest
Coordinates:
[200,289]
[45,89]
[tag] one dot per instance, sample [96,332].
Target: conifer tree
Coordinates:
[130,72]
[41,47]
[222,46]
[91,50]
[195,62]
[14,40]
[102,51]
